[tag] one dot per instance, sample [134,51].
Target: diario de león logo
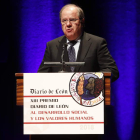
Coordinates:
[87,89]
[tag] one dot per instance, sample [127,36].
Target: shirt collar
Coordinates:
[77,40]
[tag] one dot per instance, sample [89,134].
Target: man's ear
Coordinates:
[83,22]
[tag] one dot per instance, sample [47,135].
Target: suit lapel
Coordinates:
[83,49]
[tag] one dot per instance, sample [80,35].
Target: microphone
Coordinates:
[62,56]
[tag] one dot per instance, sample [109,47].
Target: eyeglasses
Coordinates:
[72,20]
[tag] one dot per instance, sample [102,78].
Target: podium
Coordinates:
[19,88]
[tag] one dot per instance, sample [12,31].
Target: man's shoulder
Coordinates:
[94,37]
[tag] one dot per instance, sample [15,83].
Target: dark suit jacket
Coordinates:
[93,51]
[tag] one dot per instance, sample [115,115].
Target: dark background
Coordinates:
[117,21]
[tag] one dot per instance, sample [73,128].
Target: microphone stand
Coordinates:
[62,58]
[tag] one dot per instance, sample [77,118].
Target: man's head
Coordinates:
[72,21]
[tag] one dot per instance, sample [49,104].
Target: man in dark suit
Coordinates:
[87,48]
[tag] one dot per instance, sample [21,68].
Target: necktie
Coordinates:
[71,53]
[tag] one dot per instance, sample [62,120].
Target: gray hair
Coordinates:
[80,11]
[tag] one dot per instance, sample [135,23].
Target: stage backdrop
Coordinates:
[30,24]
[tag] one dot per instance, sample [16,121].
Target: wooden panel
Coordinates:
[19,90]
[107,91]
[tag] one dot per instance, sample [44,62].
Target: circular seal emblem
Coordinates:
[87,89]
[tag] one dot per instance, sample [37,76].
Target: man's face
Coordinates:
[71,24]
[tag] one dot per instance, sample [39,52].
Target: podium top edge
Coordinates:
[21,74]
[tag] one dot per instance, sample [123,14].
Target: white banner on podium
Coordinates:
[63,103]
